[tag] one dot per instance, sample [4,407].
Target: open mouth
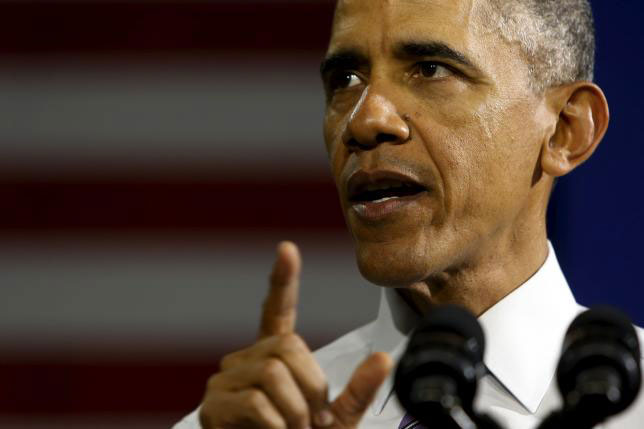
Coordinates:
[383,190]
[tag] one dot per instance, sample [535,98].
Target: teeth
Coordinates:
[382,200]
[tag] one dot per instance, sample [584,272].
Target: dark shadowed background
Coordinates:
[597,212]
[152,153]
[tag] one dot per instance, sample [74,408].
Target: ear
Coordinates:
[582,121]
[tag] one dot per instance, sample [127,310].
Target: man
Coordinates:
[447,123]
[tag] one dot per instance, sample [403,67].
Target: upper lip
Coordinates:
[360,179]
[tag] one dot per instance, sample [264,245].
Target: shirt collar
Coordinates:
[524,332]
[395,320]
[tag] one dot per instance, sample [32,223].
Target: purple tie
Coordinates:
[408,422]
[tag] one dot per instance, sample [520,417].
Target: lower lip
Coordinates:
[374,211]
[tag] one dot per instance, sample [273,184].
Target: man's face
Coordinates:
[433,136]
[425,94]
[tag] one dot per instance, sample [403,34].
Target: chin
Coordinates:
[392,266]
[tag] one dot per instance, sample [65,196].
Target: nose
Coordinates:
[373,121]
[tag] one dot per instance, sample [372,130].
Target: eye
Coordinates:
[343,79]
[433,70]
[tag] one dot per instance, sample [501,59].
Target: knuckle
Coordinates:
[272,369]
[313,383]
[205,414]
[210,413]
[255,401]
[299,416]
[275,424]
[213,382]
[320,392]
[292,343]
[228,361]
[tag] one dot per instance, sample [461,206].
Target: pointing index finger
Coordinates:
[280,307]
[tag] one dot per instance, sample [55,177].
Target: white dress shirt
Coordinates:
[524,333]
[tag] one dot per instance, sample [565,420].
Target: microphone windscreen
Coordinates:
[604,321]
[599,373]
[450,319]
[443,360]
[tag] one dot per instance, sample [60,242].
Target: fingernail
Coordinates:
[323,418]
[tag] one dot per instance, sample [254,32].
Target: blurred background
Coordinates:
[152,154]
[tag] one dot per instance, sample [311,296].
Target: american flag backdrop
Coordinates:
[152,155]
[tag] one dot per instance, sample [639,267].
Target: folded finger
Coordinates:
[306,371]
[248,408]
[274,378]
[278,383]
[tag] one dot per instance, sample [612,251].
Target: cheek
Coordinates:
[481,154]
[499,166]
[333,140]
[329,129]
[336,117]
[457,142]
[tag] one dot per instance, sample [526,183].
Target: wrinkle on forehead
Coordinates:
[468,13]
[468,8]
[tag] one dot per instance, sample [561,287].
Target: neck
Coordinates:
[483,281]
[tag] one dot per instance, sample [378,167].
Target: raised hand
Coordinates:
[276,382]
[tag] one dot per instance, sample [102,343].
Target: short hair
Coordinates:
[557,38]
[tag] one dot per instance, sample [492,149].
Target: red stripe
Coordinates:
[118,382]
[118,387]
[68,27]
[216,205]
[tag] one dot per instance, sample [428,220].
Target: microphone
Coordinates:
[599,373]
[437,376]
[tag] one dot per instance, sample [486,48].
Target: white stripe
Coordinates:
[183,293]
[179,113]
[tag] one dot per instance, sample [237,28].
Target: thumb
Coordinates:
[350,406]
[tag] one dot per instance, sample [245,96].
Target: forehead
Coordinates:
[377,24]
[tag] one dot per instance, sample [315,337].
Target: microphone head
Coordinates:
[442,363]
[454,320]
[602,321]
[599,372]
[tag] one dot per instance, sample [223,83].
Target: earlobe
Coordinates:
[581,123]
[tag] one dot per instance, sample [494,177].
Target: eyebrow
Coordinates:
[433,49]
[346,59]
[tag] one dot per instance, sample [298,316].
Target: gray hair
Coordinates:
[557,38]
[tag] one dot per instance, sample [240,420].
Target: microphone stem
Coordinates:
[461,418]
